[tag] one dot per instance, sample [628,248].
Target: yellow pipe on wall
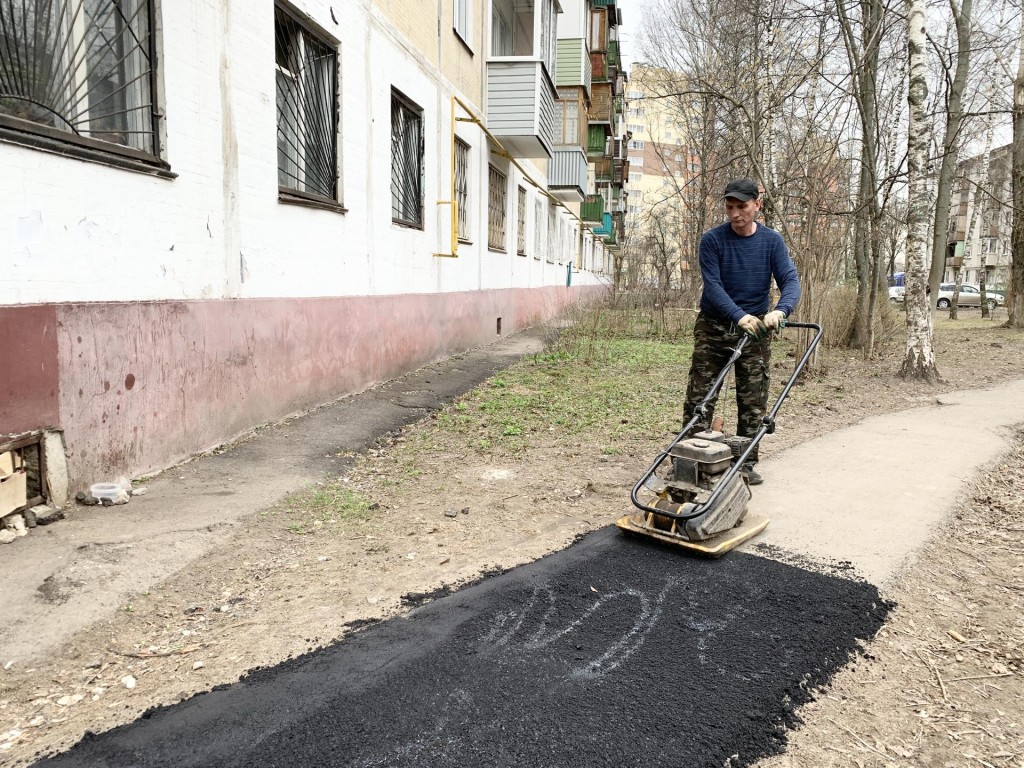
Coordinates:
[454,203]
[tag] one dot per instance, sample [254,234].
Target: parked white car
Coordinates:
[970,296]
[897,293]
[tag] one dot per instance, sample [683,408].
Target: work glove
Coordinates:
[775,320]
[753,327]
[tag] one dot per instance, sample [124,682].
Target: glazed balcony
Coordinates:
[592,208]
[521,107]
[572,65]
[567,174]
[520,91]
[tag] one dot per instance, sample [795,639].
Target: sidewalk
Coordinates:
[63,577]
[873,493]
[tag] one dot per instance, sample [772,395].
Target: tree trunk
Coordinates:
[868,208]
[950,144]
[1015,301]
[919,362]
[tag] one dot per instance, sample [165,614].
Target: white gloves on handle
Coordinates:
[753,327]
[775,320]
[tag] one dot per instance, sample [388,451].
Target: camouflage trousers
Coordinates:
[713,344]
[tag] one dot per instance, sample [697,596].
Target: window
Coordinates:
[521,224]
[496,208]
[552,233]
[635,177]
[406,161]
[567,122]
[81,72]
[636,145]
[307,109]
[515,31]
[538,234]
[637,161]
[462,187]
[635,128]
[462,20]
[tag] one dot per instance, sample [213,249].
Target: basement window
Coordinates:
[22,474]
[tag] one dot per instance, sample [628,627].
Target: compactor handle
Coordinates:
[767,425]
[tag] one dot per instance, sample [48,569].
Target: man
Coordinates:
[738,260]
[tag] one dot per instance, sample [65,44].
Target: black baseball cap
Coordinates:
[742,189]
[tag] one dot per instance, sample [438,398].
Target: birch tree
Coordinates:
[919,362]
[1015,302]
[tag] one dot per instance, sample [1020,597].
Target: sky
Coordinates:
[630,30]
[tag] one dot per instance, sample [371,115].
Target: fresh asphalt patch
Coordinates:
[614,652]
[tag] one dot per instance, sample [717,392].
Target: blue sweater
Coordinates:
[738,271]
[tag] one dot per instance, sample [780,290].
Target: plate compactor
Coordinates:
[697,485]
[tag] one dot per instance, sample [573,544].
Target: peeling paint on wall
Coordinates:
[146,384]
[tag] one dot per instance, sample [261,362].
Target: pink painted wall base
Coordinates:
[139,386]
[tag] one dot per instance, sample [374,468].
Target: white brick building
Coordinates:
[215,214]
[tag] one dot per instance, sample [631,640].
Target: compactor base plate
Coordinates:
[716,546]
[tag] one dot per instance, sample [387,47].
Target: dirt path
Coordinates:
[942,685]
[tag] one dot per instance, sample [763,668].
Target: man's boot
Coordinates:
[753,478]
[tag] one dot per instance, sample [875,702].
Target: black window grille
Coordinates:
[462,186]
[538,233]
[80,71]
[307,109]
[496,207]
[552,233]
[521,223]
[406,161]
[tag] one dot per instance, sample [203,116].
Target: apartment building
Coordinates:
[591,83]
[218,214]
[979,239]
[662,170]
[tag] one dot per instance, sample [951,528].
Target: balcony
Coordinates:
[597,141]
[620,171]
[592,209]
[605,229]
[601,103]
[572,64]
[567,174]
[613,54]
[521,106]
[520,66]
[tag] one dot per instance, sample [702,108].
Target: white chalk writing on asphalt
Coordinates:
[507,629]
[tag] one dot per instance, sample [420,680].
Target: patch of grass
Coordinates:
[327,505]
[584,385]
